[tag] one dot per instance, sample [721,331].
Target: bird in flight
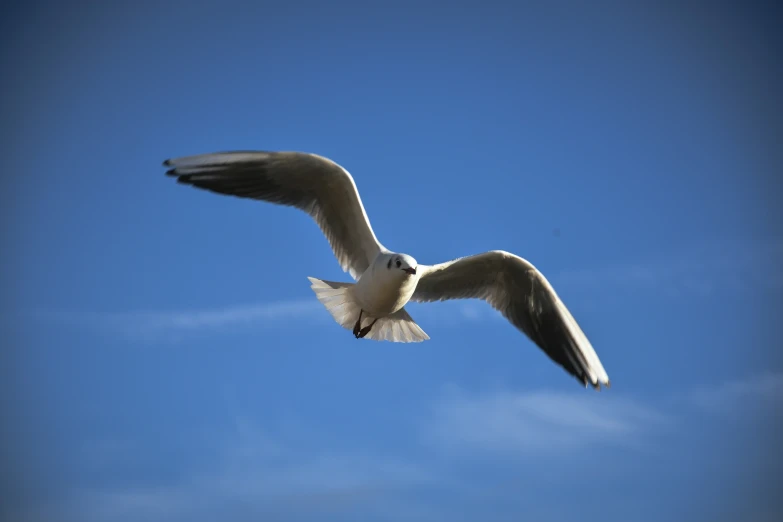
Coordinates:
[374,306]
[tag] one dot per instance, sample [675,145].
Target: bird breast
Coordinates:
[382,293]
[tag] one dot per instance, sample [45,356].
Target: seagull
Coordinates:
[374,306]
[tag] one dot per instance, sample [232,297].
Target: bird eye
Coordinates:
[398,263]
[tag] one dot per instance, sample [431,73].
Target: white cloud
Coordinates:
[731,395]
[513,422]
[259,473]
[470,311]
[173,325]
[701,269]
[252,474]
[452,313]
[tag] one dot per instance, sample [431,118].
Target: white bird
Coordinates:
[385,280]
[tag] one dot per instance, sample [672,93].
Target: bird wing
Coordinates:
[522,294]
[314,184]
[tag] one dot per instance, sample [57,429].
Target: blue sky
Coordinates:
[165,358]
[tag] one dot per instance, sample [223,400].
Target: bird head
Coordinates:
[402,262]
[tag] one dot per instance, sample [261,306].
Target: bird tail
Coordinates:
[339,300]
[398,327]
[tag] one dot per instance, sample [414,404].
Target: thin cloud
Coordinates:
[511,422]
[450,313]
[173,325]
[261,475]
[702,269]
[736,394]
[470,312]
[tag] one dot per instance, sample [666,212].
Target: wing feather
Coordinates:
[314,184]
[523,295]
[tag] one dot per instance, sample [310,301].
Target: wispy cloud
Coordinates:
[508,422]
[450,313]
[173,325]
[700,269]
[253,472]
[256,475]
[253,462]
[176,325]
[728,397]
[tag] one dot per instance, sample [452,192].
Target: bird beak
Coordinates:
[409,270]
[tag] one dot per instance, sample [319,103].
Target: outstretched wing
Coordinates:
[314,184]
[522,294]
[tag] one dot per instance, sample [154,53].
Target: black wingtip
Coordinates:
[172,172]
[167,163]
[585,381]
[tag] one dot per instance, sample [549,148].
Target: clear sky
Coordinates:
[164,358]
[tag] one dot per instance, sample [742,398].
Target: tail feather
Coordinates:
[399,327]
[339,301]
